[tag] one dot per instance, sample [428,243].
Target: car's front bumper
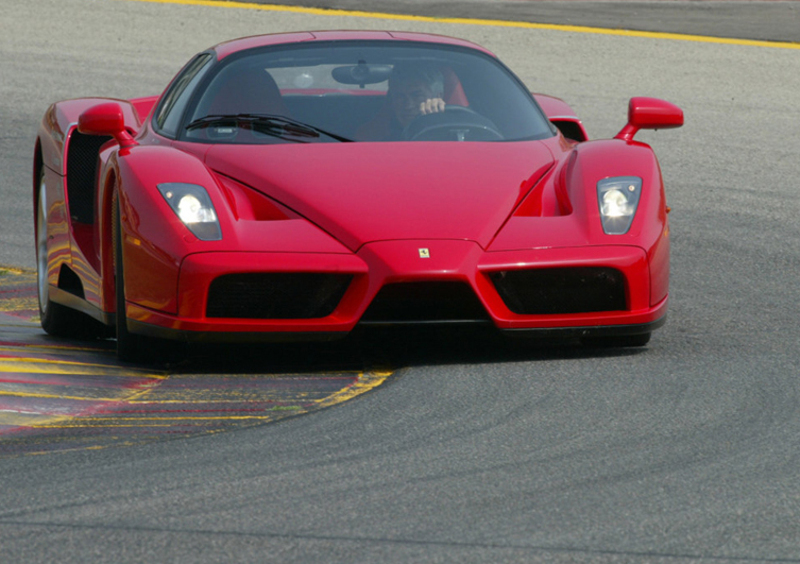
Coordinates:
[419,265]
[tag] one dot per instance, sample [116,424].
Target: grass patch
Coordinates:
[5,271]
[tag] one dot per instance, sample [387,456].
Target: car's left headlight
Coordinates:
[193,206]
[618,198]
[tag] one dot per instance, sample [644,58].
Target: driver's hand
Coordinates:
[431,106]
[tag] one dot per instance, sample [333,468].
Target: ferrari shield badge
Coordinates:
[424,253]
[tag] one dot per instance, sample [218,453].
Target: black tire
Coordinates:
[130,346]
[56,319]
[618,341]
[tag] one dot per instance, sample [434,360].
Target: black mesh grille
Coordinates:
[425,302]
[561,290]
[81,173]
[276,295]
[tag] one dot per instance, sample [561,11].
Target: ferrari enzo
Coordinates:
[295,186]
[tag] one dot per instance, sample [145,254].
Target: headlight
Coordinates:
[617,198]
[192,204]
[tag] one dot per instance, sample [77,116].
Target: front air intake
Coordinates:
[276,295]
[425,302]
[561,290]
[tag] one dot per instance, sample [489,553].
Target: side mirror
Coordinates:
[650,113]
[106,119]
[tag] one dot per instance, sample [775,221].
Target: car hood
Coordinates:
[365,192]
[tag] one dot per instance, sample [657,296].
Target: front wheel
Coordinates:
[130,346]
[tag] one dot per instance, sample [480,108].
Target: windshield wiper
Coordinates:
[269,124]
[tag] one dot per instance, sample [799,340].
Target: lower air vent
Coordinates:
[422,302]
[70,282]
[276,295]
[561,290]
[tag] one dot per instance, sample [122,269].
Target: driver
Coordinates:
[414,90]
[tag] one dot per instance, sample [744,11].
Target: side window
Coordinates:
[170,111]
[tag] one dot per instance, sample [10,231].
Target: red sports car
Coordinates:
[294,186]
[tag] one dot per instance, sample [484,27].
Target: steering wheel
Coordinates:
[455,123]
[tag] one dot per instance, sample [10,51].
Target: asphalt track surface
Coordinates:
[686,451]
[742,19]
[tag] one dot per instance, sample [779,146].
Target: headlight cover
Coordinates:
[617,199]
[193,206]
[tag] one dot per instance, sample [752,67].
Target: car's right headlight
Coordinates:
[193,206]
[618,199]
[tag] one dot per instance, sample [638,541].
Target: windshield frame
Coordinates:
[200,87]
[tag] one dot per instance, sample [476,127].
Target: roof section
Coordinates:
[433,38]
[236,45]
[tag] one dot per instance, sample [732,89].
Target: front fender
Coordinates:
[595,160]
[155,241]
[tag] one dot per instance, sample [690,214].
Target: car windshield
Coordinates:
[361,91]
